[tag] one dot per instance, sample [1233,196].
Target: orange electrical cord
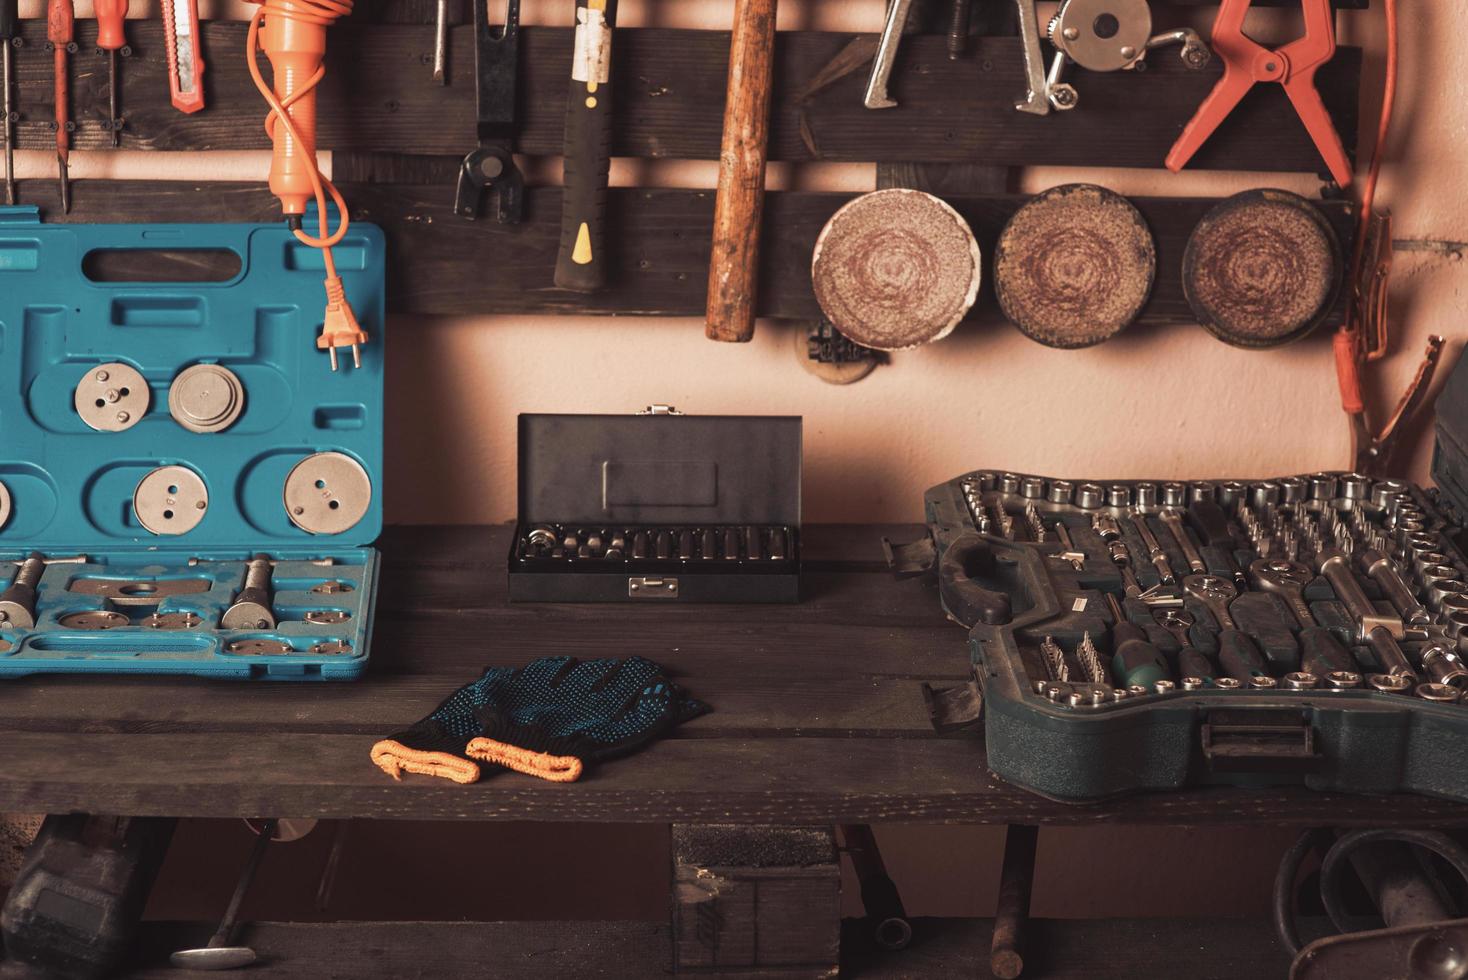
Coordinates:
[1348,340]
[339,327]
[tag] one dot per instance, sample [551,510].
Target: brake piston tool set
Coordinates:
[183,488]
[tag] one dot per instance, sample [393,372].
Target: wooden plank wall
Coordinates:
[379,103]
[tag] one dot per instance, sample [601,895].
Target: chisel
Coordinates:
[581,261]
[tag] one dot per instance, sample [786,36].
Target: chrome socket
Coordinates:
[1292,489]
[1089,496]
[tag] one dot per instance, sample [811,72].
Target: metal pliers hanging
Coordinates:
[1246,62]
[490,169]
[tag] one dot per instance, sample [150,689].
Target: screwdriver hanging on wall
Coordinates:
[580,264]
[9,39]
[60,33]
[112,39]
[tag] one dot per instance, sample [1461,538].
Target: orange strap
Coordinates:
[1348,372]
[556,768]
[393,757]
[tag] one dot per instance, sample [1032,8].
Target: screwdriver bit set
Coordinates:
[183,490]
[658,506]
[1149,635]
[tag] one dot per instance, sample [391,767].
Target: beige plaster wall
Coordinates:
[1155,402]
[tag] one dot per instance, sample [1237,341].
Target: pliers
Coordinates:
[1246,62]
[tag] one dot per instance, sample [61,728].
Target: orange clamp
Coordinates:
[1246,63]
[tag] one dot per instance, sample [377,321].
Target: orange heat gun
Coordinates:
[292,33]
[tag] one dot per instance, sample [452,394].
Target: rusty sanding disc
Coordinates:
[1262,268]
[895,269]
[1074,266]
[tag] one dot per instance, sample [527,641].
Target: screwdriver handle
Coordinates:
[9,19]
[60,22]
[581,261]
[110,15]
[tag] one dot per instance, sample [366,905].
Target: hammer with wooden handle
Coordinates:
[734,264]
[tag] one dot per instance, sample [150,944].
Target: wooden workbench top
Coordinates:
[818,716]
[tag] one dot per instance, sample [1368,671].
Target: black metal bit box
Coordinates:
[657,507]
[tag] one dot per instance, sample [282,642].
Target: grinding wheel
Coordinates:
[896,269]
[1262,268]
[1074,266]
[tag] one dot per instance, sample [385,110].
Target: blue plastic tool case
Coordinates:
[72,491]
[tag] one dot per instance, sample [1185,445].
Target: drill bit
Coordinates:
[1091,660]
[1032,517]
[1054,659]
[958,28]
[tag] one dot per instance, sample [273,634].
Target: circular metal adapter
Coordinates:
[112,397]
[171,500]
[896,269]
[4,504]
[327,617]
[327,493]
[258,647]
[173,621]
[1262,269]
[206,398]
[1102,35]
[94,619]
[5,645]
[333,647]
[1074,266]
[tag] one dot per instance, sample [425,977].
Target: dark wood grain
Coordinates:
[661,264]
[818,717]
[379,96]
[733,780]
[1094,949]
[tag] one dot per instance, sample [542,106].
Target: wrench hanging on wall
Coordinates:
[490,168]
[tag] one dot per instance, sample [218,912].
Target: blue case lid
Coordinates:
[71,486]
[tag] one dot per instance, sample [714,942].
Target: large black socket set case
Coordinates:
[1356,686]
[657,507]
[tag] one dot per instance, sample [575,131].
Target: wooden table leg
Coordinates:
[1016,877]
[747,898]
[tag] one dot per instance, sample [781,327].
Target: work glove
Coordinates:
[435,745]
[553,717]
[547,719]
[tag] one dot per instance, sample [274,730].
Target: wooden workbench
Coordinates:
[818,718]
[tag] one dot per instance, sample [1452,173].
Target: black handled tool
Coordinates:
[1135,660]
[490,168]
[581,262]
[9,38]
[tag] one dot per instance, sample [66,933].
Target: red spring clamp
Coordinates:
[1246,62]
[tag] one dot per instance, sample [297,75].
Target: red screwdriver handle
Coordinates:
[110,15]
[60,22]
